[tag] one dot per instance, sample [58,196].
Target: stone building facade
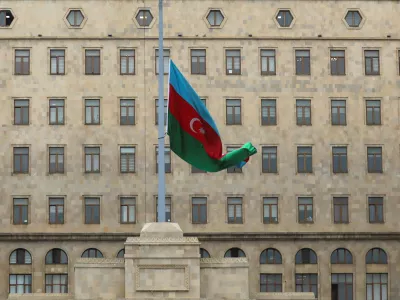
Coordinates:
[313,85]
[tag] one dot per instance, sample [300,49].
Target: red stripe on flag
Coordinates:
[191,122]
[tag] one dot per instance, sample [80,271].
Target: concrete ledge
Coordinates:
[219,262]
[286,296]
[40,296]
[99,263]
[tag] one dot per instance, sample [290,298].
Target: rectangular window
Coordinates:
[338,112]
[235,210]
[270,283]
[57,283]
[92,159]
[303,62]
[233,62]
[57,62]
[304,160]
[92,62]
[127,159]
[233,112]
[270,159]
[56,111]
[199,210]
[377,286]
[307,283]
[92,210]
[268,112]
[22,62]
[21,160]
[127,62]
[128,210]
[21,112]
[375,206]
[20,284]
[371,62]
[92,111]
[167,159]
[341,210]
[339,159]
[338,62]
[305,209]
[127,111]
[56,210]
[374,159]
[168,209]
[268,60]
[373,109]
[198,58]
[56,160]
[303,112]
[166,57]
[233,169]
[342,287]
[270,210]
[20,211]
[165,111]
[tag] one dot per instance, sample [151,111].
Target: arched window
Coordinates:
[271,256]
[341,256]
[235,252]
[204,253]
[306,256]
[92,252]
[376,256]
[20,257]
[121,253]
[56,256]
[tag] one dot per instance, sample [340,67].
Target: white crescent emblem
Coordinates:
[192,123]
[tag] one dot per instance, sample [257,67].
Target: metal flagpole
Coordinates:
[161,111]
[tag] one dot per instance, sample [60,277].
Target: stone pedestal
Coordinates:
[161,263]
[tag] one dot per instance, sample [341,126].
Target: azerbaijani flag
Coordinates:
[193,135]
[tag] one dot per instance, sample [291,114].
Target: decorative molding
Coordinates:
[208,236]
[158,240]
[103,261]
[155,289]
[223,260]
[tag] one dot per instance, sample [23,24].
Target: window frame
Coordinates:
[340,122]
[368,61]
[305,221]
[233,59]
[24,64]
[92,108]
[304,157]
[303,112]
[128,209]
[20,156]
[165,50]
[277,284]
[92,220]
[269,207]
[267,73]
[21,208]
[93,61]
[343,210]
[377,208]
[167,153]
[57,208]
[339,59]
[29,286]
[92,155]
[57,107]
[198,61]
[374,109]
[165,111]
[57,57]
[301,72]
[339,155]
[52,284]
[234,107]
[128,157]
[57,170]
[373,284]
[236,207]
[376,168]
[127,58]
[167,199]
[21,112]
[198,207]
[268,109]
[124,121]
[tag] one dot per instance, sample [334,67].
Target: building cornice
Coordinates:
[222,38]
[205,237]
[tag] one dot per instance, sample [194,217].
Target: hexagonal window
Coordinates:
[215,17]
[353,18]
[144,17]
[6,18]
[284,18]
[75,18]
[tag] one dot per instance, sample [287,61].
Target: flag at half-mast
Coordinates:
[193,135]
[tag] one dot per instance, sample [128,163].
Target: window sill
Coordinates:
[305,223]
[57,74]
[268,74]
[127,223]
[274,173]
[127,74]
[16,174]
